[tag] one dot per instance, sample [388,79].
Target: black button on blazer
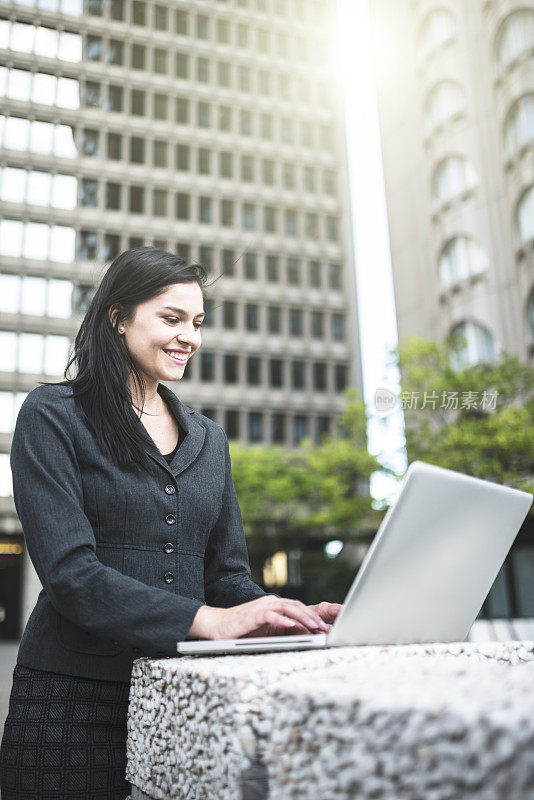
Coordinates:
[99,538]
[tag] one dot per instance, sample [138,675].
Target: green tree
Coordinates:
[305,496]
[491,440]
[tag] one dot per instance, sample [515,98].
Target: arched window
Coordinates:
[461,257]
[530,315]
[519,124]
[438,27]
[453,176]
[524,217]
[445,100]
[475,343]
[515,35]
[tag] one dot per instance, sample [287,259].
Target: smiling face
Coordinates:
[164,332]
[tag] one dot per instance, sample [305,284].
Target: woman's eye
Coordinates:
[175,319]
[198,324]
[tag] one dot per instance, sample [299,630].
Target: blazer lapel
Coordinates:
[194,434]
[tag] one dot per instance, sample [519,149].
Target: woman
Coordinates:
[131,519]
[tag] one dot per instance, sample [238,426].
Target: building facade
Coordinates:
[211,128]
[455,85]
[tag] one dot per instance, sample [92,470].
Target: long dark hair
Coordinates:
[103,361]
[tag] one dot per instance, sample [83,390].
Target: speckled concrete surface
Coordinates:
[417,722]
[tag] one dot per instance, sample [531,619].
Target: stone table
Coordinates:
[413,722]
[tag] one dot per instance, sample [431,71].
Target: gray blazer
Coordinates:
[125,560]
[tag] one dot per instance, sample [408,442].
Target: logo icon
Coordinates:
[385,400]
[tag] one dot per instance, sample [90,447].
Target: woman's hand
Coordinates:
[265,616]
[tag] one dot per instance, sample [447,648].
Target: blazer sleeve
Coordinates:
[227,580]
[48,496]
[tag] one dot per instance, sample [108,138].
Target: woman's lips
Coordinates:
[175,359]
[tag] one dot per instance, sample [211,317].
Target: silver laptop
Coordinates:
[428,570]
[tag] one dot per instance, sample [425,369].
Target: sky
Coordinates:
[376,304]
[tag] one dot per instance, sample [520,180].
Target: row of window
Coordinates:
[514,37]
[139,12]
[447,99]
[33,353]
[43,41]
[44,138]
[50,90]
[276,426]
[61,298]
[38,187]
[38,240]
[455,175]
[295,373]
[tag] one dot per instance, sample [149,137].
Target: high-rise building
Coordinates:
[211,128]
[455,84]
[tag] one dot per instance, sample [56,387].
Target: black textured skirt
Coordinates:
[64,738]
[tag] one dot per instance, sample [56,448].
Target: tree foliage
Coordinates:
[494,443]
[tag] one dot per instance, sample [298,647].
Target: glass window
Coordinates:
[160,106]
[278,424]
[293,271]
[252,317]
[255,426]
[115,98]
[182,156]
[13,185]
[229,314]
[9,293]
[461,257]
[228,262]
[267,167]
[203,70]
[269,219]
[92,94]
[182,110]
[227,213]
[139,12]
[138,102]
[266,126]
[251,266]
[271,262]
[17,131]
[111,246]
[207,366]
[33,296]
[524,217]
[519,124]
[223,73]
[206,259]
[117,9]
[93,49]
[245,122]
[253,370]
[340,377]
[225,118]
[248,216]
[89,192]
[295,321]
[159,203]
[137,150]
[114,148]
[30,352]
[288,175]
[137,199]
[438,27]
[87,245]
[310,179]
[203,31]
[8,351]
[474,343]
[231,368]
[298,374]
[515,36]
[276,372]
[161,17]
[332,230]
[290,222]
[312,225]
[160,61]
[231,423]
[182,65]
[444,101]
[181,22]
[314,269]
[160,149]
[205,209]
[317,324]
[274,319]
[338,327]
[68,93]
[226,164]
[300,428]
[247,168]
[204,161]
[223,31]
[182,206]
[203,115]
[334,275]
[452,177]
